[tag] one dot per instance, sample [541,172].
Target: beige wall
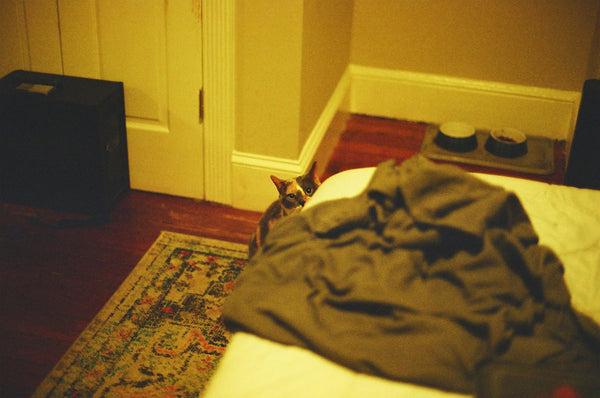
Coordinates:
[268,51]
[543,43]
[11,56]
[290,55]
[327,29]
[593,71]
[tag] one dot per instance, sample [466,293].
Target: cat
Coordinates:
[293,195]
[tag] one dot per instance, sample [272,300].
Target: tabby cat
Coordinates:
[293,195]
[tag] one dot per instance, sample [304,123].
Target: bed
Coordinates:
[275,351]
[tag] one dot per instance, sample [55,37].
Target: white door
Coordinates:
[153,46]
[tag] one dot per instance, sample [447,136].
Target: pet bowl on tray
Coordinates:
[539,158]
[506,142]
[456,137]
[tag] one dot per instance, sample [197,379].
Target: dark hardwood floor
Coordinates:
[367,141]
[54,280]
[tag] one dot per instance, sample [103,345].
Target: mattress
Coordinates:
[566,219]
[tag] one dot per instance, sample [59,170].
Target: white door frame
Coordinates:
[218,22]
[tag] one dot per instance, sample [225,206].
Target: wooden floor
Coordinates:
[54,280]
[367,141]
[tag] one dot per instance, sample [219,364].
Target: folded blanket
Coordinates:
[425,277]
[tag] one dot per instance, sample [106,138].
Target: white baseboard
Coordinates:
[251,186]
[411,96]
[437,99]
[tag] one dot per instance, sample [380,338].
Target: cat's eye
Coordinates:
[309,191]
[291,195]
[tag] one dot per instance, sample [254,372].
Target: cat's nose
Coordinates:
[301,200]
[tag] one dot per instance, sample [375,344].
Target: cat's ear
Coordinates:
[313,173]
[278,182]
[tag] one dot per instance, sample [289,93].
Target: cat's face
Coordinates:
[294,193]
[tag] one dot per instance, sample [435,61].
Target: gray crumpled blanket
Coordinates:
[426,276]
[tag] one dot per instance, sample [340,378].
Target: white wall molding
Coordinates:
[218,35]
[331,108]
[411,96]
[436,99]
[252,187]
[271,163]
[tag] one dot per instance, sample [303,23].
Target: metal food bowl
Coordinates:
[456,137]
[507,142]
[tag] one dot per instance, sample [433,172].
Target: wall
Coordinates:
[536,43]
[488,63]
[283,85]
[593,71]
[327,30]
[290,57]
[291,77]
[268,57]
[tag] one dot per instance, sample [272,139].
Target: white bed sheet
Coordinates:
[566,219]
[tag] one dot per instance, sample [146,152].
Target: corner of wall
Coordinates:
[409,96]
[251,186]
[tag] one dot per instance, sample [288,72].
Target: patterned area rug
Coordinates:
[161,334]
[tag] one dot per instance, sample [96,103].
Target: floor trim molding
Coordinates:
[410,96]
[433,98]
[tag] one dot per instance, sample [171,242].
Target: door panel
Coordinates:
[79,33]
[132,42]
[155,48]
[41,17]
[14,52]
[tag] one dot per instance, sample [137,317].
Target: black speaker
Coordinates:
[583,168]
[63,143]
